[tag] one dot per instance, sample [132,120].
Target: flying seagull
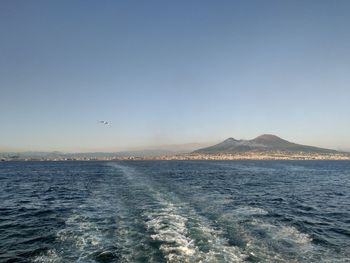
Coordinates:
[107,123]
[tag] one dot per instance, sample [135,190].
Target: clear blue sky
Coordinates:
[168,72]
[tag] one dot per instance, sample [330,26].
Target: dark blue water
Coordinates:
[175,211]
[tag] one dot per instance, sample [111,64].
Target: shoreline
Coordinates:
[200,157]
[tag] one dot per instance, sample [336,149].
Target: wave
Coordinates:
[136,217]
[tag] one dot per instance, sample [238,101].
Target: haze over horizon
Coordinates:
[169,73]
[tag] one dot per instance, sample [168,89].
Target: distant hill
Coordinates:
[262,143]
[60,155]
[265,146]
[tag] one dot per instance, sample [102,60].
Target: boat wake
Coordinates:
[130,216]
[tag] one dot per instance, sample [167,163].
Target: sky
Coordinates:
[172,72]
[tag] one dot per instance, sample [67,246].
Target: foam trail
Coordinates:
[158,225]
[168,225]
[179,245]
[265,240]
[87,235]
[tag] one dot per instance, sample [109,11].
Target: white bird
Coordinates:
[107,123]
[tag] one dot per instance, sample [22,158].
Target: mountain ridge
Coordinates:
[262,143]
[263,147]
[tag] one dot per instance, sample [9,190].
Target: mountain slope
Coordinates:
[262,143]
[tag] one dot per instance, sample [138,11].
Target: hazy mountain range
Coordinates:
[159,151]
[52,155]
[265,143]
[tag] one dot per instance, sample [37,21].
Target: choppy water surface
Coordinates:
[175,211]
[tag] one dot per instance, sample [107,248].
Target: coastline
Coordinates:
[204,157]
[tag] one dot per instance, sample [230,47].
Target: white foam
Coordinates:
[169,228]
[51,256]
[283,233]
[249,211]
[168,225]
[219,248]
[80,232]
[78,239]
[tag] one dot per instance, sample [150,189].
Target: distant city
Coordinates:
[263,147]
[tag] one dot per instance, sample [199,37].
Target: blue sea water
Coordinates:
[175,211]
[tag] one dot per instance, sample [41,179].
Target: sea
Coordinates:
[175,211]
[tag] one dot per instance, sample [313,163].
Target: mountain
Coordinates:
[171,149]
[262,143]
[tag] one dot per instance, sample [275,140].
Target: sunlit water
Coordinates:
[175,211]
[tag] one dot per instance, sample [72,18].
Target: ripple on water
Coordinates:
[175,212]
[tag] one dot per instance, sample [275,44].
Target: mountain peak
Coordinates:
[264,142]
[268,137]
[230,140]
